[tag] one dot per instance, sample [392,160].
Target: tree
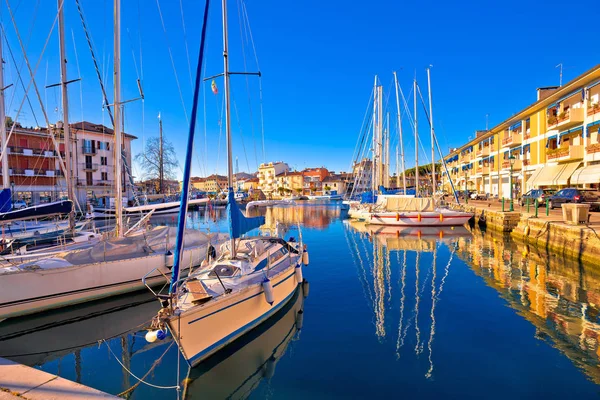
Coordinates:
[158,162]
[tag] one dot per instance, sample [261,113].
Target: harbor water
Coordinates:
[390,313]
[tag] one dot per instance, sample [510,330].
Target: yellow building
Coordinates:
[267,173]
[292,182]
[553,143]
[211,184]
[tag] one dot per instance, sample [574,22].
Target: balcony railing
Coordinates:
[27,151]
[94,182]
[88,150]
[566,153]
[570,117]
[90,166]
[512,140]
[593,109]
[593,148]
[485,151]
[35,172]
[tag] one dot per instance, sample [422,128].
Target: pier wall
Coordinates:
[550,233]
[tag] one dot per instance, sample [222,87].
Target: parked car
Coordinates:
[17,205]
[574,195]
[540,194]
[478,196]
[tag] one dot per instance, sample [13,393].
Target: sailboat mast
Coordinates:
[117,116]
[65,106]
[400,133]
[161,171]
[416,142]
[374,164]
[5,177]
[386,170]
[227,111]
[433,180]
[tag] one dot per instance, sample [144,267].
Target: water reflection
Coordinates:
[238,369]
[559,297]
[377,251]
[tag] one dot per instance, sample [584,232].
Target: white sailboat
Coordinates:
[246,282]
[400,210]
[110,267]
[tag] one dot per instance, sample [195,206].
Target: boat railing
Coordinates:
[150,273]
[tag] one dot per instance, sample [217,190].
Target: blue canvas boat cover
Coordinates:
[238,223]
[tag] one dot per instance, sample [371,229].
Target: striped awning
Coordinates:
[553,175]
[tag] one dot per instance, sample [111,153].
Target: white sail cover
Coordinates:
[405,204]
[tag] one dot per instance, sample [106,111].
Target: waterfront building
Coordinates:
[211,184]
[239,179]
[250,185]
[362,175]
[313,180]
[152,186]
[553,143]
[290,181]
[334,184]
[35,168]
[267,173]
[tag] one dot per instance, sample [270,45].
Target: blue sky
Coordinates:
[318,60]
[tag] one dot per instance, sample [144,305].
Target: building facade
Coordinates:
[291,182]
[267,173]
[553,143]
[35,169]
[211,184]
[313,180]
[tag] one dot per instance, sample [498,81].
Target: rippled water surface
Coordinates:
[391,313]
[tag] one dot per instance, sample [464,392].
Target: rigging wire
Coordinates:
[240,23]
[20,78]
[162,21]
[260,90]
[187,51]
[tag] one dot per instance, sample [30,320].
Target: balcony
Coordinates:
[89,166]
[593,148]
[35,172]
[483,152]
[26,151]
[88,150]
[94,182]
[478,170]
[527,134]
[514,139]
[593,109]
[516,166]
[485,170]
[565,153]
[566,119]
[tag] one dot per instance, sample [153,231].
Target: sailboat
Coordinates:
[394,210]
[236,371]
[111,266]
[247,281]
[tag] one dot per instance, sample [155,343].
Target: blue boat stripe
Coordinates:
[242,329]
[241,301]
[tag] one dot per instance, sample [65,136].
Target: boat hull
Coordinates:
[28,292]
[414,218]
[202,331]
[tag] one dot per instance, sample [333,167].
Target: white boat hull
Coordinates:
[171,207]
[203,330]
[28,292]
[415,218]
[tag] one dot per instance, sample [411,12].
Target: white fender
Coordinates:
[305,257]
[268,290]
[298,271]
[151,336]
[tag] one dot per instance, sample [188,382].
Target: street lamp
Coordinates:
[512,159]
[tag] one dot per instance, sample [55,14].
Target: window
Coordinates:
[88,179]
[107,145]
[104,176]
[103,161]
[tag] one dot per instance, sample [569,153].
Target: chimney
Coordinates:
[544,92]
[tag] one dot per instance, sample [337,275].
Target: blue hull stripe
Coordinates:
[198,357]
[241,301]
